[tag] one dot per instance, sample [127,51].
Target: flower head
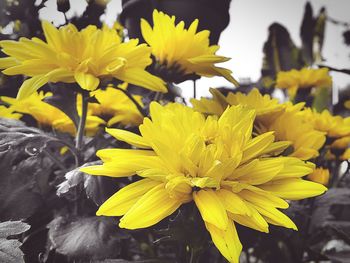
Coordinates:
[49,116]
[301,79]
[184,51]
[270,116]
[84,57]
[116,107]
[264,105]
[184,156]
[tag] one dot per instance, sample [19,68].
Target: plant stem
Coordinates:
[82,122]
[138,106]
[194,89]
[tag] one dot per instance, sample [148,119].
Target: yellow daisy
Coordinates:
[84,57]
[334,126]
[265,106]
[215,162]
[184,51]
[116,107]
[270,116]
[319,175]
[9,112]
[49,116]
[303,79]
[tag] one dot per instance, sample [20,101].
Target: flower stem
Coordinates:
[138,106]
[82,121]
[194,89]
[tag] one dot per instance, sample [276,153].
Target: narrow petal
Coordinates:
[211,208]
[151,208]
[119,203]
[232,202]
[129,137]
[294,188]
[8,62]
[31,85]
[226,241]
[257,145]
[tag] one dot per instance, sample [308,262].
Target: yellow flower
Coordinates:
[183,50]
[265,106]
[85,57]
[319,175]
[8,112]
[291,126]
[215,162]
[270,116]
[49,116]
[116,107]
[334,126]
[305,78]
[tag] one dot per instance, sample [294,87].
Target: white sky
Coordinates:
[244,37]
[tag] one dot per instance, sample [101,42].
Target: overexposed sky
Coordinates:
[244,37]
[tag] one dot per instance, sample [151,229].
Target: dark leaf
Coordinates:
[307,34]
[280,53]
[10,228]
[10,251]
[23,181]
[90,238]
[97,188]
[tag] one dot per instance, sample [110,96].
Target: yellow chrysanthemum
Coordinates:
[183,50]
[8,112]
[85,57]
[319,175]
[115,106]
[291,126]
[305,78]
[334,126]
[265,106]
[271,116]
[47,115]
[215,162]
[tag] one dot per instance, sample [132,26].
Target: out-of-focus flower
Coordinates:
[334,126]
[49,116]
[305,78]
[291,126]
[347,104]
[215,162]
[8,112]
[116,107]
[319,175]
[270,116]
[264,105]
[84,57]
[183,51]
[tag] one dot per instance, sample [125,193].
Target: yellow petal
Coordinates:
[8,62]
[151,208]
[211,208]
[262,198]
[86,81]
[109,154]
[31,85]
[226,241]
[232,202]
[294,188]
[257,145]
[129,137]
[119,203]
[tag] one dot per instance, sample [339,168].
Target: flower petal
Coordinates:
[129,137]
[31,85]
